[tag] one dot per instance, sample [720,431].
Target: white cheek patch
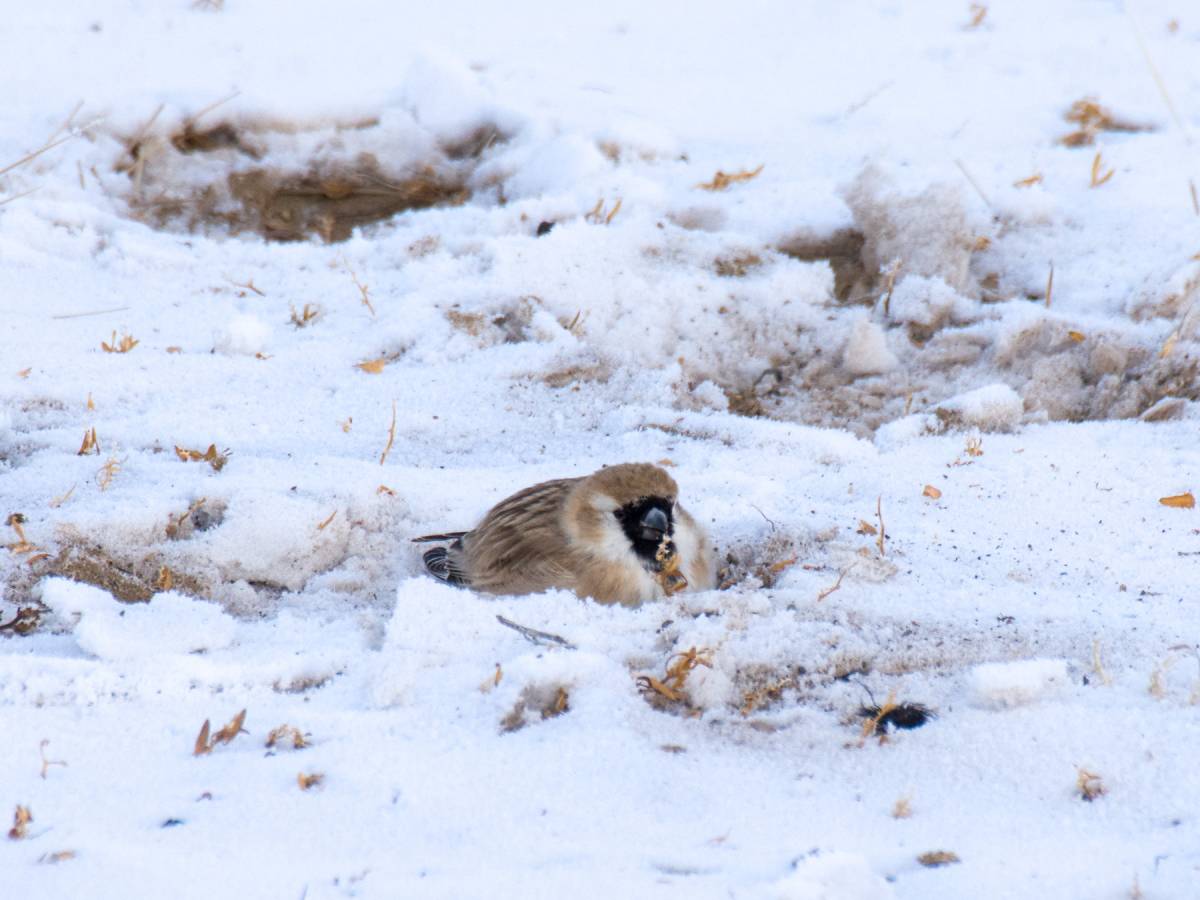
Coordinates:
[688,542]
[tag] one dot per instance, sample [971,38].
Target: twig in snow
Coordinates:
[537,637]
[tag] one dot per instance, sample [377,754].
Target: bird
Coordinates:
[618,536]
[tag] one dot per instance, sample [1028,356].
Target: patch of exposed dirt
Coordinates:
[221,178]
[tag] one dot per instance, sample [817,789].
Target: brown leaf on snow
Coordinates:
[231,730]
[723,180]
[1179,501]
[211,456]
[372,366]
[203,746]
[935,858]
[287,735]
[931,492]
[21,819]
[312,780]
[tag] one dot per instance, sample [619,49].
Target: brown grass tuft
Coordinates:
[126,343]
[1091,119]
[215,459]
[310,781]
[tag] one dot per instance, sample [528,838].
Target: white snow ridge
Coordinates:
[904,296]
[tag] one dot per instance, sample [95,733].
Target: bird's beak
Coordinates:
[654,524]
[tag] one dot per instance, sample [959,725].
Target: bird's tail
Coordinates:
[439,564]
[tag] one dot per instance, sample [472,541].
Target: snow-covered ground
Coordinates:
[926,301]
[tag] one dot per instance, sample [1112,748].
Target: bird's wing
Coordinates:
[520,545]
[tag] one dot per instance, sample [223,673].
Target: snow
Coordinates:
[1017,683]
[805,350]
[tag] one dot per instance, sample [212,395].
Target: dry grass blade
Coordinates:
[1098,665]
[1035,178]
[1179,501]
[202,746]
[310,781]
[1195,197]
[902,808]
[882,531]
[124,345]
[363,290]
[322,525]
[30,157]
[108,471]
[1099,176]
[21,819]
[306,316]
[47,763]
[723,180]
[837,585]
[91,443]
[979,12]
[391,437]
[62,498]
[1050,285]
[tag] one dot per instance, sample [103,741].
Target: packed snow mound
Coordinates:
[168,624]
[831,876]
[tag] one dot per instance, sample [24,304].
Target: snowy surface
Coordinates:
[865,333]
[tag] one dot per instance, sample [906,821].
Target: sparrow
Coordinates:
[618,535]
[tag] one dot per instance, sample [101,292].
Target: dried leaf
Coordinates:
[174,349]
[931,492]
[979,12]
[372,366]
[866,528]
[21,819]
[902,808]
[211,456]
[321,526]
[287,734]
[1179,501]
[231,729]
[203,746]
[384,489]
[24,373]
[307,782]
[90,404]
[935,858]
[1076,336]
[723,180]
[347,425]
